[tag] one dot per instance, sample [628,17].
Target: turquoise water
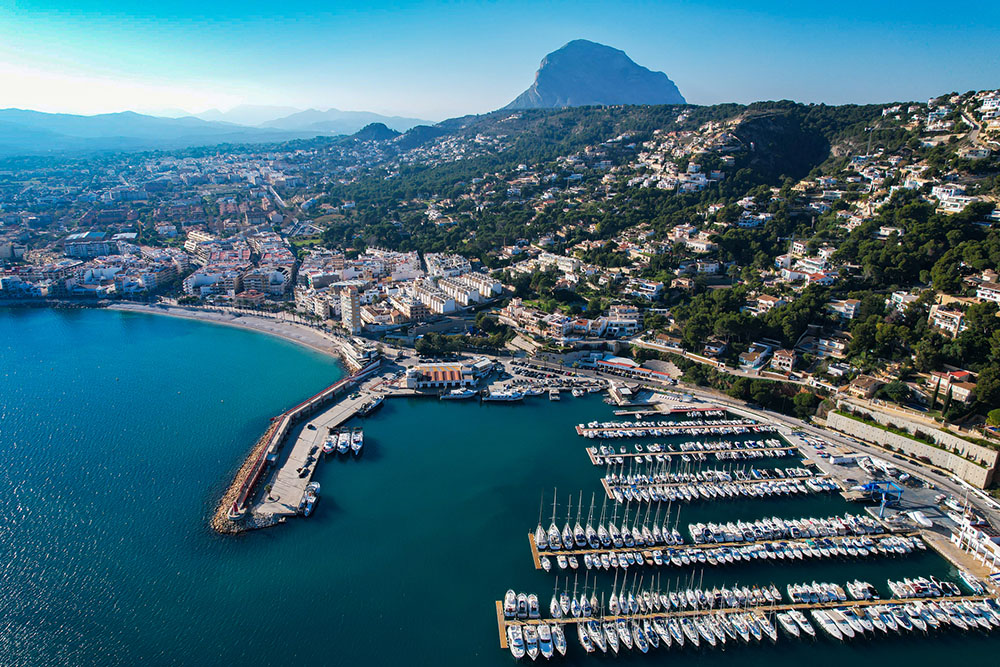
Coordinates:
[119,431]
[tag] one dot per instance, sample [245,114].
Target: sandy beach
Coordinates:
[282,328]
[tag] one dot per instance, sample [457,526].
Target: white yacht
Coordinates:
[458,394]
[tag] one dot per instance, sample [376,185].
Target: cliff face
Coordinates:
[585,73]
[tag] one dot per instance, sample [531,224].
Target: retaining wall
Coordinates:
[980,471]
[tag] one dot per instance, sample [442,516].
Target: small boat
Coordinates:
[344,441]
[553,394]
[357,441]
[310,497]
[371,406]
[330,444]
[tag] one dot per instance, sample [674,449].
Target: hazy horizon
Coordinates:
[432,60]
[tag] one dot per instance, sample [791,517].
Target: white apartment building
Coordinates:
[350,310]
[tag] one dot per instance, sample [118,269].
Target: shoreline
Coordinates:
[282,329]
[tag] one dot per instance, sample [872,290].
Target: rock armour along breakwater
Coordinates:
[220,520]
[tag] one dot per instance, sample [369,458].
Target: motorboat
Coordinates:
[344,441]
[515,641]
[310,497]
[510,604]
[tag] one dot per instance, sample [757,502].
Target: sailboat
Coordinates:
[592,538]
[579,535]
[554,538]
[616,537]
[613,602]
[541,539]
[554,609]
[585,607]
[574,604]
[567,532]
[559,638]
[564,603]
[602,533]
[657,534]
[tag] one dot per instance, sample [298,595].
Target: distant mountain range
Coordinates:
[246,114]
[331,121]
[24,132]
[335,121]
[35,133]
[584,73]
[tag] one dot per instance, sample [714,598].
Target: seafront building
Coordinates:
[350,311]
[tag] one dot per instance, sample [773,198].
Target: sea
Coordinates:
[119,431]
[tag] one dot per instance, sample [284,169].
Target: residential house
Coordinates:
[755,356]
[948,322]
[863,386]
[846,309]
[961,384]
[989,292]
[783,361]
[766,302]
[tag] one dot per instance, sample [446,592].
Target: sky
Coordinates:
[435,60]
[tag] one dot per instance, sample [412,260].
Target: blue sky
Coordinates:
[439,59]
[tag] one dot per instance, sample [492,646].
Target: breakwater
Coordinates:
[231,515]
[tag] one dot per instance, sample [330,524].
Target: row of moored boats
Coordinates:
[344,440]
[609,430]
[817,548]
[725,450]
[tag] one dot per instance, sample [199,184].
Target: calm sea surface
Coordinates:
[118,432]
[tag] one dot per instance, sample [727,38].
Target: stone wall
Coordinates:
[980,476]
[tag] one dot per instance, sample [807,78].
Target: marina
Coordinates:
[647,483]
